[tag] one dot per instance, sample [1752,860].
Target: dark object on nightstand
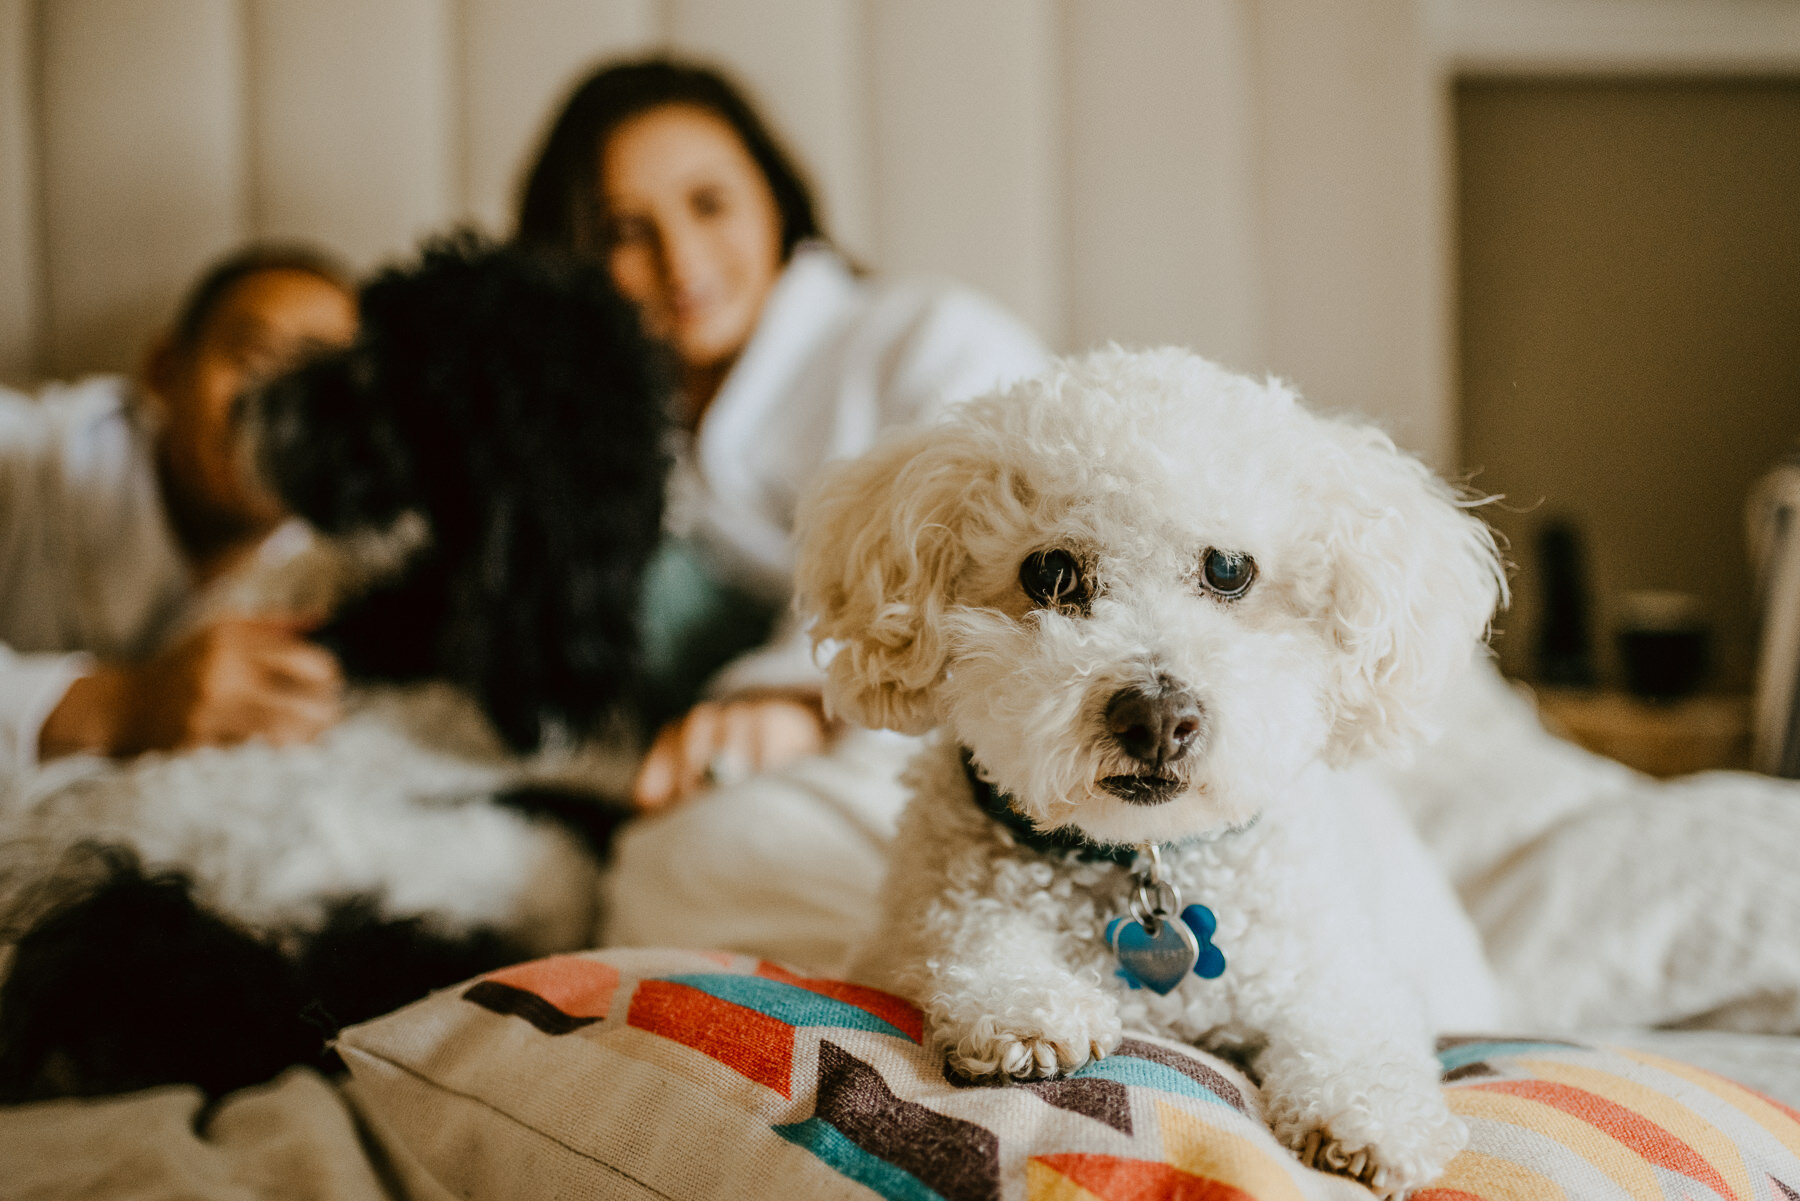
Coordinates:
[1565,650]
[1663,665]
[1663,644]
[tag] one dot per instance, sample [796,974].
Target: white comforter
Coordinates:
[1605,899]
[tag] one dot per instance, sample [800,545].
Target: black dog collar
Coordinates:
[1064,840]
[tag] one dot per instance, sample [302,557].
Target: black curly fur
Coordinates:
[133,984]
[509,398]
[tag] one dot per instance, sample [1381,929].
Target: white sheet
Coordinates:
[1606,898]
[785,866]
[294,1139]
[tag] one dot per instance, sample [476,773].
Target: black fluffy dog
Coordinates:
[510,401]
[485,466]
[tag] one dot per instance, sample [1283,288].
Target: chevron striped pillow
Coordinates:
[693,1076]
[679,1074]
[1553,1119]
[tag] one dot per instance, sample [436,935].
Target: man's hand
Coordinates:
[718,742]
[230,682]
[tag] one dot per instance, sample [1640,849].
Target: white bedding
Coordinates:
[1606,898]
[294,1139]
[784,866]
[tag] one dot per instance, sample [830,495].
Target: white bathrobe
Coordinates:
[836,358]
[88,564]
[786,863]
[89,567]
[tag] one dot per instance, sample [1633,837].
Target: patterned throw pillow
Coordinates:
[677,1074]
[1553,1120]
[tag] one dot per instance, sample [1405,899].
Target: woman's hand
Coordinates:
[236,680]
[721,742]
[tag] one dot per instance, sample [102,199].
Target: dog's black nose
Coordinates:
[1155,725]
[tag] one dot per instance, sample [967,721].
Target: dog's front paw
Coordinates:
[992,1051]
[1380,1120]
[1393,1144]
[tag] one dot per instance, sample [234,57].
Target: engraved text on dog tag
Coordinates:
[1158,962]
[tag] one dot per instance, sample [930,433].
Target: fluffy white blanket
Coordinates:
[1604,898]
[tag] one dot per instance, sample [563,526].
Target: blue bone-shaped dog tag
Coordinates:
[1211,963]
[1162,962]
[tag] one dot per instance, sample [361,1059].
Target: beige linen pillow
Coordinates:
[693,1076]
[678,1074]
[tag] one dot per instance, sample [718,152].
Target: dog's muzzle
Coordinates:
[1156,726]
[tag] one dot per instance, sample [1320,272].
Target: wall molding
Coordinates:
[1615,37]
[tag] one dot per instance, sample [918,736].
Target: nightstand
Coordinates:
[1661,739]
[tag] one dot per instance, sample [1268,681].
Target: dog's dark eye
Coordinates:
[1227,573]
[1053,577]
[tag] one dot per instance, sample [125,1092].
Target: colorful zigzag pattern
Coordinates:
[1549,1120]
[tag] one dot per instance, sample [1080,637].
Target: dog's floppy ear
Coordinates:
[1413,579]
[881,542]
[510,399]
[335,458]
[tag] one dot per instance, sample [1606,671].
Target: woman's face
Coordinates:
[694,236]
[267,322]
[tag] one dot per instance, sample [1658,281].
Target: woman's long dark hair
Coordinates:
[560,206]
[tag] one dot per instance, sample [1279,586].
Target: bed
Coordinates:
[1610,904]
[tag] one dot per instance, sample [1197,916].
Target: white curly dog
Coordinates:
[1149,603]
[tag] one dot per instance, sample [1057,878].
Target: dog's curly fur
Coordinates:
[484,467]
[1373,585]
[508,399]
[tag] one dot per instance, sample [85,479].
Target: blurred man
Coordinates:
[120,501]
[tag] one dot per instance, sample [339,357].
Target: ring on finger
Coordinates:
[725,769]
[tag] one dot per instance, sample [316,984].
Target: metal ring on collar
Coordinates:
[1155,902]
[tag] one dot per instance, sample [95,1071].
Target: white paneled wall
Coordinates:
[1165,236]
[517,62]
[1256,178]
[967,156]
[140,156]
[1353,265]
[352,121]
[20,280]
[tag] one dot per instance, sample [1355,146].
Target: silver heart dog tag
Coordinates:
[1159,961]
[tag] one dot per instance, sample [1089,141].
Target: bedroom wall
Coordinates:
[1630,334]
[1265,180]
[1255,178]
[1626,291]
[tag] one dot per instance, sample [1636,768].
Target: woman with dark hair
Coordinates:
[788,357]
[561,206]
[122,501]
